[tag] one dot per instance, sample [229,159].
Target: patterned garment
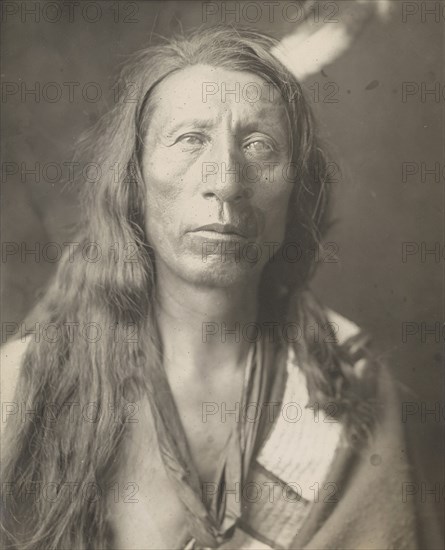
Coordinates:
[289,473]
[273,467]
[307,488]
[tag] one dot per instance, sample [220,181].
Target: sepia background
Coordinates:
[372,129]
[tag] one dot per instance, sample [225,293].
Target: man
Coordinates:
[211,180]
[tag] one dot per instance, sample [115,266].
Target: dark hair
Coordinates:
[112,291]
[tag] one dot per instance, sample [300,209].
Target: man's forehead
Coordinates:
[208,94]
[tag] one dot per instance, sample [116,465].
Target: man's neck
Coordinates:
[195,323]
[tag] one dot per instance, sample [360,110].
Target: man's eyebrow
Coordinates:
[170,129]
[259,126]
[252,126]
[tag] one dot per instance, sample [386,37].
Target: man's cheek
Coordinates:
[275,225]
[270,213]
[159,220]
[165,195]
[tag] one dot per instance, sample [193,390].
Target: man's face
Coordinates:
[215,165]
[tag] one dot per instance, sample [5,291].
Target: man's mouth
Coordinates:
[222,229]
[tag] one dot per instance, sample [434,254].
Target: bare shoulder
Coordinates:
[11,359]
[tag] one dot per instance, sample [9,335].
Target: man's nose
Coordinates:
[222,173]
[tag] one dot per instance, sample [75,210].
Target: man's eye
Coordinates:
[259,146]
[190,139]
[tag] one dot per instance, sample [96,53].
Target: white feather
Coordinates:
[313,45]
[304,56]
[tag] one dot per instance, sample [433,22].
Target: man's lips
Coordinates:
[223,229]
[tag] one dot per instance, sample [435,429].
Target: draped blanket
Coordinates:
[291,480]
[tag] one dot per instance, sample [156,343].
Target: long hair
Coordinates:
[117,291]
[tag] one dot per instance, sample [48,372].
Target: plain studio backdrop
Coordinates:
[380,107]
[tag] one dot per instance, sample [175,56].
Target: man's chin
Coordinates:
[215,272]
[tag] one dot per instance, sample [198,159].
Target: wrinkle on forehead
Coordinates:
[181,100]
